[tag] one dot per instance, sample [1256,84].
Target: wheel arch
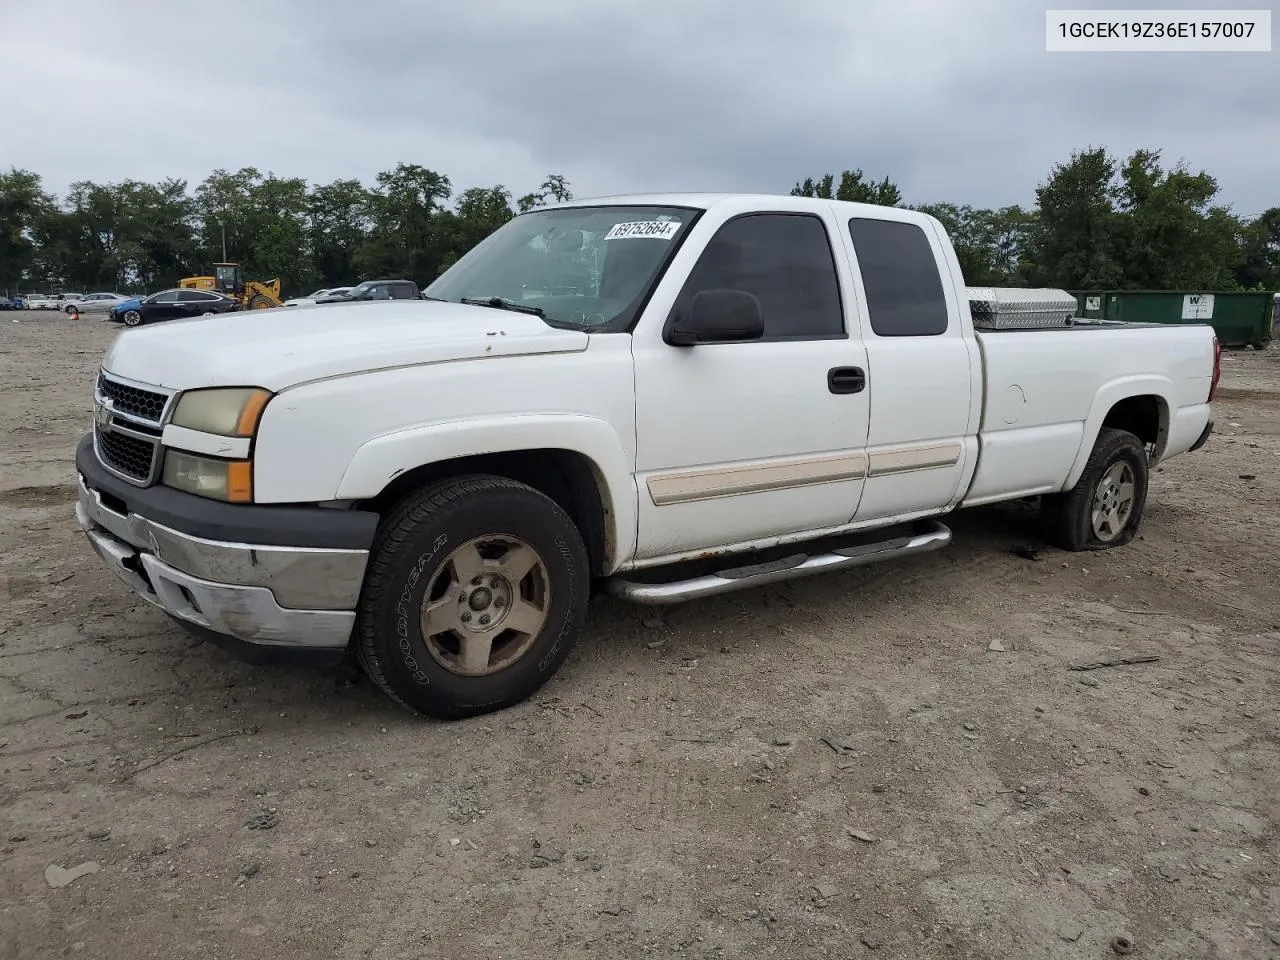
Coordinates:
[1140,405]
[577,462]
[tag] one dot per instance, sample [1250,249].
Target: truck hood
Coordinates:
[280,348]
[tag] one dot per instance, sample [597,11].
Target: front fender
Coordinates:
[380,460]
[1107,397]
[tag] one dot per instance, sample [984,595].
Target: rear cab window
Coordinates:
[905,295]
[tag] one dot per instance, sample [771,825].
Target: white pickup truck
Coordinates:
[664,397]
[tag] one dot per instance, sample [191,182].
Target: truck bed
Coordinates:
[1042,398]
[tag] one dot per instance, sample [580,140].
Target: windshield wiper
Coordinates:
[501,303]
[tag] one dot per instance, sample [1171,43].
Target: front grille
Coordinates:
[131,456]
[133,401]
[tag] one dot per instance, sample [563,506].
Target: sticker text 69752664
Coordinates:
[655,229]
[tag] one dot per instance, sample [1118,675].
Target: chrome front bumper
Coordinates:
[267,596]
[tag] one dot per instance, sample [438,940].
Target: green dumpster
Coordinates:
[1239,319]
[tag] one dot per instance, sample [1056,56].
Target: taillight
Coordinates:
[1217,369]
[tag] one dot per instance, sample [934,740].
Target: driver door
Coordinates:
[163,307]
[746,441]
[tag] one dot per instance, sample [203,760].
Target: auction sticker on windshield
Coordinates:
[657,229]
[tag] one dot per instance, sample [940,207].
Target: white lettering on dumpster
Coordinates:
[1197,306]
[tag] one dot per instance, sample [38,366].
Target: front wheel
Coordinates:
[132,318]
[260,303]
[1105,507]
[476,590]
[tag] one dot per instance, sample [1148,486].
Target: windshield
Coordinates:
[355,291]
[582,266]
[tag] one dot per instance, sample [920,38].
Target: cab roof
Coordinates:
[705,201]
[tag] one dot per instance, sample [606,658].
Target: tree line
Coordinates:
[1098,222]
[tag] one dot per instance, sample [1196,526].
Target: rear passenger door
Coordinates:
[193,303]
[737,442]
[924,370]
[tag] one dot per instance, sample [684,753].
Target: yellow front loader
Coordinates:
[252,294]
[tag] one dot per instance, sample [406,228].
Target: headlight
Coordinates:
[229,480]
[227,411]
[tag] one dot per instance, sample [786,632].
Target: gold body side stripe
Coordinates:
[885,462]
[694,485]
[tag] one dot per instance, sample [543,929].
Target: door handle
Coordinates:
[846,380]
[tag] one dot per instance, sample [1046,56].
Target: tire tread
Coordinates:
[416,508]
[1064,515]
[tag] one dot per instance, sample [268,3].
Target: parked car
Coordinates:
[39,301]
[375,290]
[11,303]
[770,386]
[312,298]
[170,305]
[94,302]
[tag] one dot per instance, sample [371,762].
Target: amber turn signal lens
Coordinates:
[240,481]
[247,425]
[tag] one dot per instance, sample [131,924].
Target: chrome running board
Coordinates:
[931,536]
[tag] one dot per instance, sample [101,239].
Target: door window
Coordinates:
[785,260]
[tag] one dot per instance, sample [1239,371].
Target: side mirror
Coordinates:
[717,316]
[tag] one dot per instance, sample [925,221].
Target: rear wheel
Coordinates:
[476,590]
[1105,507]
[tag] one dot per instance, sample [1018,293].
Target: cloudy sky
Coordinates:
[953,101]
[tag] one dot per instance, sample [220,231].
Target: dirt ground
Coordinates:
[670,792]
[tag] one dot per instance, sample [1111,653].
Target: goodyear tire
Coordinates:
[476,590]
[1105,507]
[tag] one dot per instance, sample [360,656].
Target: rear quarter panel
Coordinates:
[1047,392]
